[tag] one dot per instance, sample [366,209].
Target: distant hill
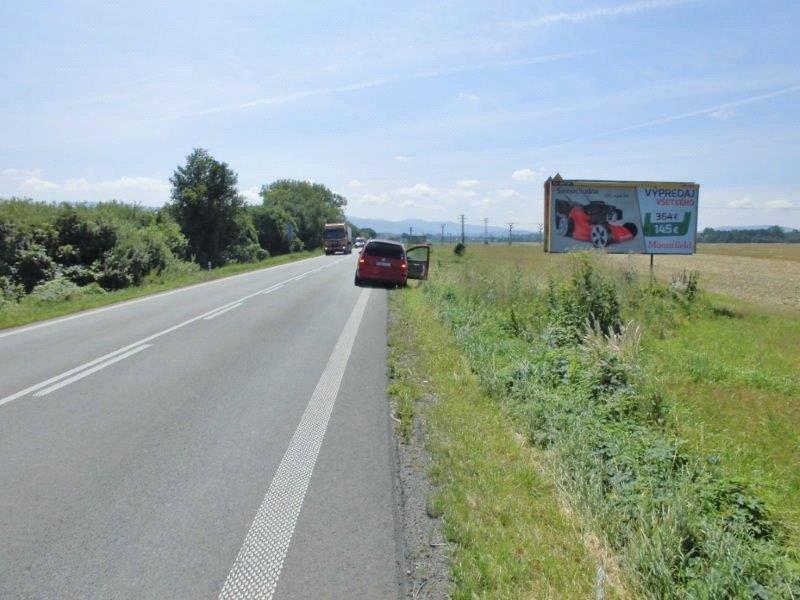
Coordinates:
[431,228]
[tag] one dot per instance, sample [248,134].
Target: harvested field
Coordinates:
[765,274]
[765,281]
[789,252]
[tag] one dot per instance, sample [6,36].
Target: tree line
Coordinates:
[767,235]
[112,245]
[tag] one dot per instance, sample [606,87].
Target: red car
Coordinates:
[389,262]
[595,222]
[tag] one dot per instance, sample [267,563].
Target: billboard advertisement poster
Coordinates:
[620,216]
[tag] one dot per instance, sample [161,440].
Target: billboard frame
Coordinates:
[610,183]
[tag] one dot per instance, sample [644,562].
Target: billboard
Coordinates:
[644,217]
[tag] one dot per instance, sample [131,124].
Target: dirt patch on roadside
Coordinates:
[425,550]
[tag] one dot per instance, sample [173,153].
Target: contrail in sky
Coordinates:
[681,116]
[599,12]
[372,83]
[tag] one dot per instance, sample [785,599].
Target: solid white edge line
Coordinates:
[223,311]
[149,338]
[88,372]
[258,565]
[95,311]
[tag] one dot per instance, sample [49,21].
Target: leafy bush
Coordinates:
[584,299]
[34,266]
[176,269]
[460,249]
[60,289]
[671,517]
[251,252]
[80,274]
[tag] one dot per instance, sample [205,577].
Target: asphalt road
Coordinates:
[230,440]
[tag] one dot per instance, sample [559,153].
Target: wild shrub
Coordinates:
[55,290]
[586,296]
[34,266]
[80,274]
[459,249]
[578,389]
[685,287]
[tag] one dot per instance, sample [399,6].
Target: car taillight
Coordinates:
[362,260]
[403,266]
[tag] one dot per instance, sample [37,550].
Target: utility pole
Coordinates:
[442,226]
[463,239]
[510,229]
[410,231]
[541,232]
[485,230]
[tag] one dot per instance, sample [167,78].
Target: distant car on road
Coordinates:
[359,242]
[389,262]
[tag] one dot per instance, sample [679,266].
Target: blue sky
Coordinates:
[412,109]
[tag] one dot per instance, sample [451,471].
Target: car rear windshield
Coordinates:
[385,250]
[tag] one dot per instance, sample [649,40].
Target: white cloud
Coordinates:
[145,184]
[252,194]
[468,96]
[354,183]
[20,173]
[373,199]
[527,174]
[402,158]
[498,197]
[37,184]
[741,202]
[467,183]
[779,203]
[33,181]
[616,10]
[419,189]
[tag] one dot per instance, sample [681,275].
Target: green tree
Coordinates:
[310,205]
[207,206]
[273,225]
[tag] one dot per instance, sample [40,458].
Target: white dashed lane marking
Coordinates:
[87,372]
[208,314]
[223,311]
[257,567]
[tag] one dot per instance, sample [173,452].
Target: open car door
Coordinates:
[419,258]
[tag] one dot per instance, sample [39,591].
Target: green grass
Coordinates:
[30,309]
[513,535]
[683,455]
[735,382]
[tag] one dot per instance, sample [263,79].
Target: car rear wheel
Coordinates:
[357,281]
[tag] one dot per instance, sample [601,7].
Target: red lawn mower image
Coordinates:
[595,222]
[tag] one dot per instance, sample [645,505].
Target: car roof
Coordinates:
[396,243]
